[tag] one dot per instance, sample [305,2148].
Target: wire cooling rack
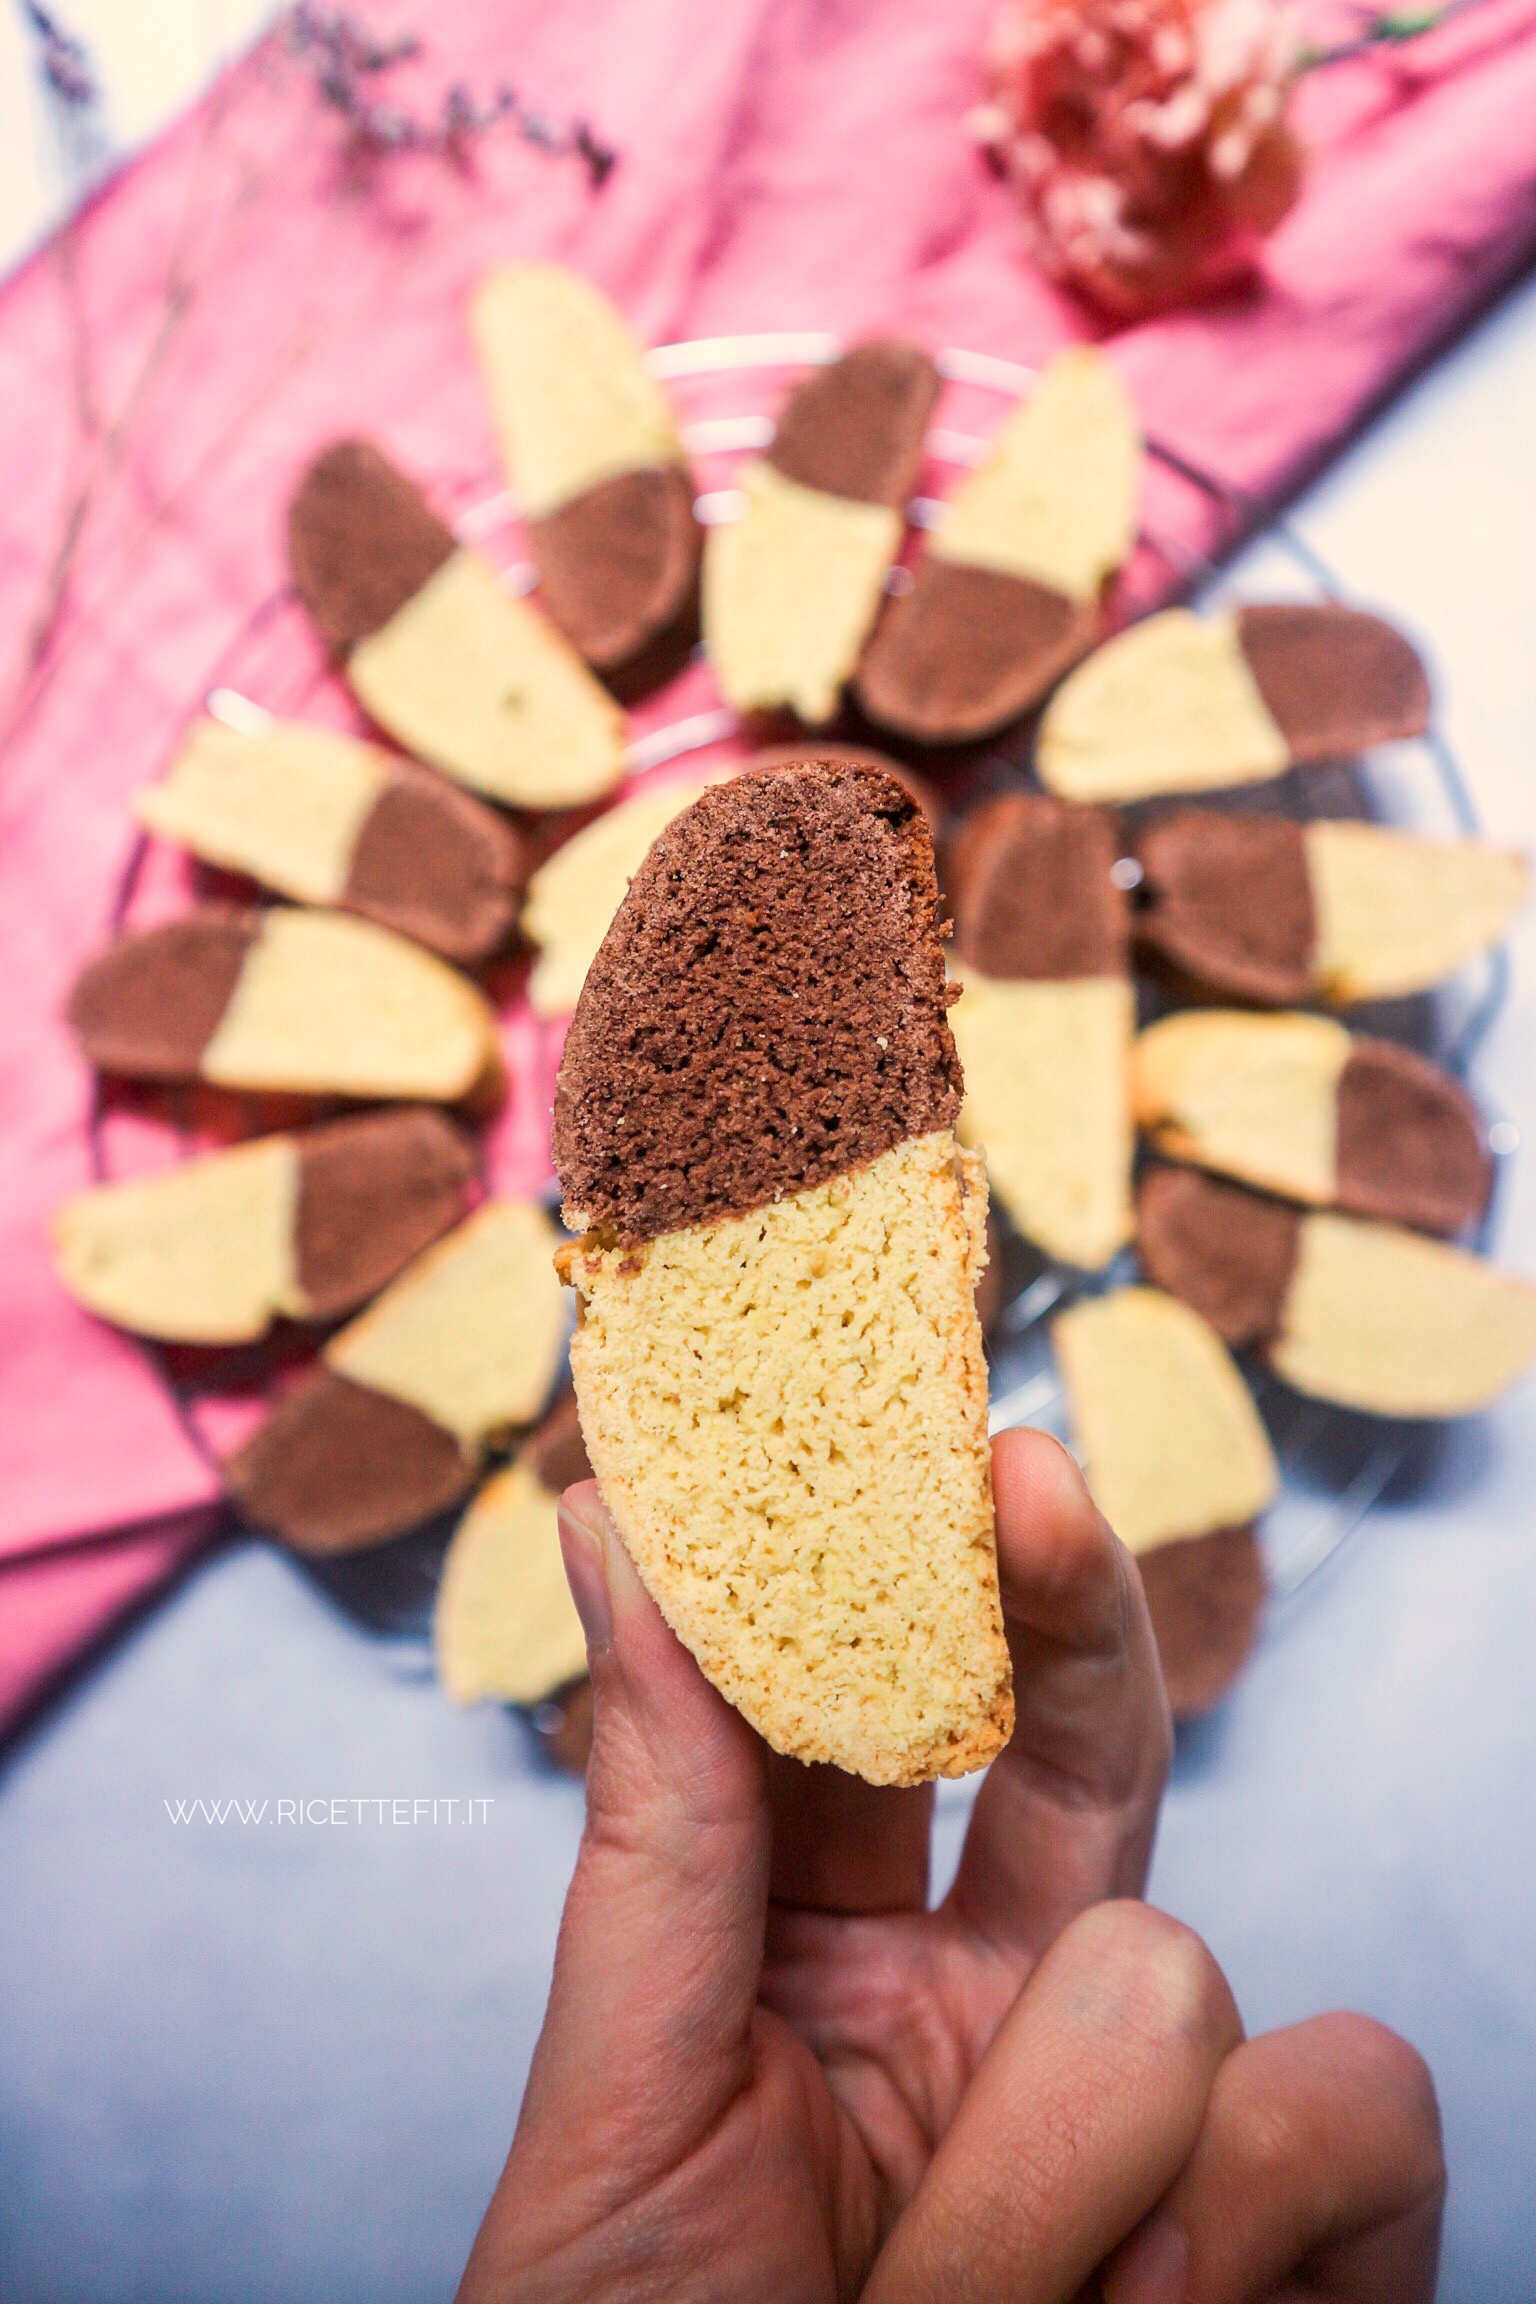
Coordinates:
[1335,1464]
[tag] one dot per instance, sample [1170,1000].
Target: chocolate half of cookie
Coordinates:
[308,1001]
[1229,1252]
[777,1338]
[304,1226]
[1229,902]
[592,450]
[436,649]
[391,1428]
[1045,1018]
[505,1625]
[1007,595]
[791,589]
[325,819]
[1205,1596]
[1335,680]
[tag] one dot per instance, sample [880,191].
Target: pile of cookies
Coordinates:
[1290,1188]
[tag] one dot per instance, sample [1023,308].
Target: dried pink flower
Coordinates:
[1146,139]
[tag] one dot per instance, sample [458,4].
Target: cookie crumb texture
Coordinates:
[767,1010]
[787,1412]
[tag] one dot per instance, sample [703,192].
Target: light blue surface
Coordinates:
[282,2062]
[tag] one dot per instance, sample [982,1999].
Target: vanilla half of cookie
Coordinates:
[1180,1465]
[303,1227]
[437,649]
[326,819]
[791,589]
[777,1354]
[1045,1019]
[1007,594]
[391,1427]
[592,451]
[1185,703]
[1366,1315]
[1297,1105]
[505,1625]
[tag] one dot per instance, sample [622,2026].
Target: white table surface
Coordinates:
[282,2061]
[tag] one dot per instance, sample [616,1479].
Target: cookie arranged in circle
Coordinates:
[436,649]
[505,1626]
[1186,703]
[591,449]
[328,820]
[777,1356]
[1045,1019]
[390,1428]
[301,1227]
[1007,593]
[1268,909]
[792,588]
[1368,1316]
[1297,1105]
[315,1003]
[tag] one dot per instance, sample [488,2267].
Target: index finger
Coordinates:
[1067,1815]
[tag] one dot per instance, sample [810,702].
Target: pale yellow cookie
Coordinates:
[791,590]
[1047,1099]
[1054,500]
[572,401]
[787,1413]
[1168,706]
[1172,1443]
[1396,913]
[327,1005]
[286,806]
[1252,1096]
[1382,1319]
[479,684]
[471,1334]
[505,1625]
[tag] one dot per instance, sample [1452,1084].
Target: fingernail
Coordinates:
[582,1549]
[1152,2267]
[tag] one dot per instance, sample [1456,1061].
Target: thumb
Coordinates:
[646,2035]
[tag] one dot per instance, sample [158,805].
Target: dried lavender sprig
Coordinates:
[341,53]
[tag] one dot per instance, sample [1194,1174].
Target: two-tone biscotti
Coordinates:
[573,896]
[1268,909]
[777,1353]
[436,648]
[1185,703]
[314,1003]
[1179,1463]
[1007,593]
[591,449]
[1366,1315]
[1298,1105]
[289,1227]
[792,588]
[504,1625]
[391,1427]
[1045,1019]
[326,819]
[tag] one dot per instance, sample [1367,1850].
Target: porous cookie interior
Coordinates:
[787,1413]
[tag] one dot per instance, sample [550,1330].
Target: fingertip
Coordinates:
[1059,1564]
[1152,1971]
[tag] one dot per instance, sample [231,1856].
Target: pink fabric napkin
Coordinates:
[243,293]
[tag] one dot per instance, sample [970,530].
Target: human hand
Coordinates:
[767,2073]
